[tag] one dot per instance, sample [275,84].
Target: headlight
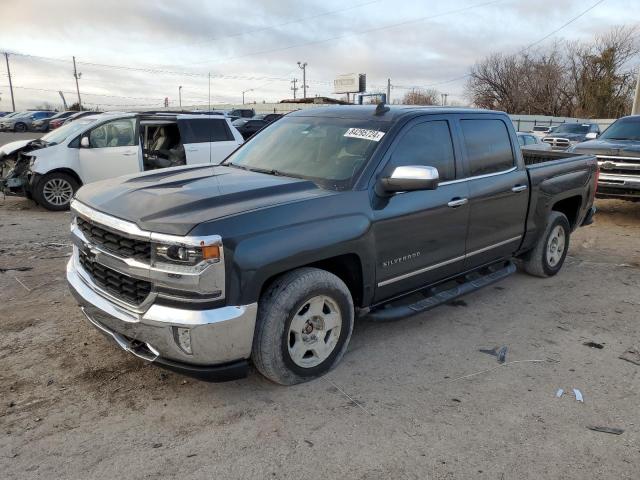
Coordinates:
[187,255]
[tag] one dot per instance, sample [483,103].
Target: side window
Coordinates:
[488,146]
[117,133]
[427,144]
[204,130]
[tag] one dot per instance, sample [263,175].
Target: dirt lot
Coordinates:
[404,403]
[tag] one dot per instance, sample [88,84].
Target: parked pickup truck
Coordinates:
[618,153]
[324,216]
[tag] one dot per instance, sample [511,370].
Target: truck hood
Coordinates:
[12,147]
[615,148]
[175,200]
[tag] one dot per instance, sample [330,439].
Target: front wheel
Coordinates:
[304,325]
[548,256]
[54,191]
[20,127]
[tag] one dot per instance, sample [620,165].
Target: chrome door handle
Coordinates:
[192,149]
[519,188]
[458,202]
[128,154]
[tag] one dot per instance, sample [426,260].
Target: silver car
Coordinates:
[23,122]
[528,141]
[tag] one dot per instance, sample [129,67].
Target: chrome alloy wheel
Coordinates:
[555,246]
[314,331]
[57,191]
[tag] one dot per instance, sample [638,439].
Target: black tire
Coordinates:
[20,127]
[538,262]
[288,296]
[42,191]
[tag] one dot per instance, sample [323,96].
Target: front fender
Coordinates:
[260,257]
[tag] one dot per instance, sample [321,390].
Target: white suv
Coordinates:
[103,146]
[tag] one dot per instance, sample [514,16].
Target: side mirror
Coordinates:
[409,178]
[591,136]
[84,142]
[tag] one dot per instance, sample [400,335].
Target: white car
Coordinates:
[97,147]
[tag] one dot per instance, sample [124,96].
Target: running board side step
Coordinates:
[397,310]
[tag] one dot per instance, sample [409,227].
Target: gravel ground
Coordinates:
[6,137]
[412,399]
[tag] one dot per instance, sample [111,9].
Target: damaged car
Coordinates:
[50,170]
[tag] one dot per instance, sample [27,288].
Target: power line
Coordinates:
[528,47]
[289,47]
[273,27]
[353,34]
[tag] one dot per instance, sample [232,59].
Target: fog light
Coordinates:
[183,339]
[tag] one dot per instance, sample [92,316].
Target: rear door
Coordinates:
[114,150]
[420,236]
[206,139]
[498,189]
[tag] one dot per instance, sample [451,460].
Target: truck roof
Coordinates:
[393,113]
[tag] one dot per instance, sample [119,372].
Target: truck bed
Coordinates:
[532,157]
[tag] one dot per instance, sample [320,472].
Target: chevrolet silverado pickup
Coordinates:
[618,154]
[323,217]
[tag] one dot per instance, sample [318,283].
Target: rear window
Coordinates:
[204,130]
[488,146]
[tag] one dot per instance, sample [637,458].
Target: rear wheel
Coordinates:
[548,256]
[54,191]
[305,320]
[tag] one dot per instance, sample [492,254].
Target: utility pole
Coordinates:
[180,96]
[13,103]
[245,91]
[635,110]
[389,91]
[303,66]
[209,91]
[77,75]
[294,88]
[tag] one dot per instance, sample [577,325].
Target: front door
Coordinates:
[498,190]
[113,151]
[420,236]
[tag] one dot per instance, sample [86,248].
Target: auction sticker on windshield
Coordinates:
[365,134]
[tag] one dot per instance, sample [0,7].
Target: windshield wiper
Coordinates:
[268,171]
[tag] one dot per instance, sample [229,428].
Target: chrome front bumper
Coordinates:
[218,336]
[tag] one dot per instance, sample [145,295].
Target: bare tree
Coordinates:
[592,79]
[419,96]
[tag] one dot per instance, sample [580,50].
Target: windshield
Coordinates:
[572,128]
[623,129]
[329,151]
[60,134]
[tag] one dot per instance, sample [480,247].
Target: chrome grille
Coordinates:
[124,287]
[114,242]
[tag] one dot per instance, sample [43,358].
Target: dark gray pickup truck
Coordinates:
[325,216]
[618,154]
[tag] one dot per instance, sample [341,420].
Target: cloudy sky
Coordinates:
[135,53]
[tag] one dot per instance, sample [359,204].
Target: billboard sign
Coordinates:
[350,83]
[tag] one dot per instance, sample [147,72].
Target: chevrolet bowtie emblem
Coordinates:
[607,165]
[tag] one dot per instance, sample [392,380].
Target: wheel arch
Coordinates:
[570,207]
[347,267]
[68,171]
